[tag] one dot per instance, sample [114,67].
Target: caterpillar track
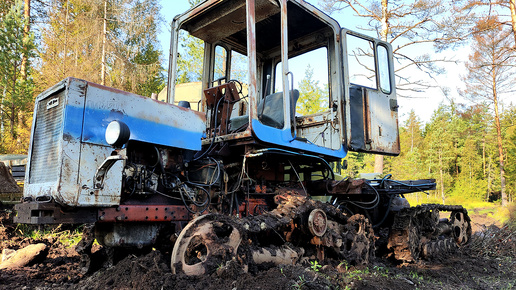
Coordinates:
[298,228]
[301,228]
[419,232]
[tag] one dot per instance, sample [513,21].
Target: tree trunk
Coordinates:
[500,144]
[103,72]
[441,175]
[385,20]
[26,29]
[24,68]
[65,44]
[489,178]
[378,164]
[512,4]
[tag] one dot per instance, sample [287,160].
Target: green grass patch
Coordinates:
[67,237]
[504,215]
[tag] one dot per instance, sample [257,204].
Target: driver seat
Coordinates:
[270,112]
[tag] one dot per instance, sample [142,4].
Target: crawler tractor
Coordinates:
[248,176]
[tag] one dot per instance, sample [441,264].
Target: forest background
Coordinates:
[469,147]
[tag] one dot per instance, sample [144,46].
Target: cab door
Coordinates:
[370,95]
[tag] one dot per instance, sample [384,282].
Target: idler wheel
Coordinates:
[461,227]
[204,244]
[317,222]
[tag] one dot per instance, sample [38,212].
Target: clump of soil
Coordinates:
[58,268]
[7,182]
[152,271]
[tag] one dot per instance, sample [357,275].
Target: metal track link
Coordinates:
[419,232]
[351,237]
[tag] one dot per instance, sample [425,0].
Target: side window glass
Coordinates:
[383,69]
[361,61]
[190,58]
[310,79]
[189,70]
[239,67]
[221,56]
[239,72]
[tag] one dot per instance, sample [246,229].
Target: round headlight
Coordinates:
[117,134]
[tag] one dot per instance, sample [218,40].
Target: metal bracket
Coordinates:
[103,170]
[394,105]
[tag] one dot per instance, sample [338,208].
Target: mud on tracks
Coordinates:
[466,269]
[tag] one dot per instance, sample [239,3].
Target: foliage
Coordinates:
[312,99]
[136,62]
[16,83]
[191,55]
[72,44]
[68,237]
[457,148]
[190,59]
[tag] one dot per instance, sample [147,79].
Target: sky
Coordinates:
[423,104]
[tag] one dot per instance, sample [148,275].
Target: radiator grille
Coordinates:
[48,131]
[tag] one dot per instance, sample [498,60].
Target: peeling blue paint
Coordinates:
[283,138]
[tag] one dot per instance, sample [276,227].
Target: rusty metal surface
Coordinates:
[144,213]
[344,186]
[372,118]
[213,96]
[253,207]
[38,213]
[347,186]
[204,243]
[321,129]
[137,235]
[253,61]
[64,158]
[317,222]
[240,136]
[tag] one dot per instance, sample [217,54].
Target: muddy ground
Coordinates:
[488,262]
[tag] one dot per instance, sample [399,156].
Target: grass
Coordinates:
[299,283]
[314,265]
[68,237]
[492,210]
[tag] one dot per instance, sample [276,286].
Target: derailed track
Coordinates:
[419,232]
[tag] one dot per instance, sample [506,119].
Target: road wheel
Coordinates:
[205,244]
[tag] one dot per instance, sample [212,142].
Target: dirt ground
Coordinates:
[488,262]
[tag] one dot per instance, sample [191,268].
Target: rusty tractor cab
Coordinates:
[283,91]
[257,45]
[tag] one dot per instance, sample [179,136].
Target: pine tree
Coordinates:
[16,86]
[73,44]
[491,68]
[312,99]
